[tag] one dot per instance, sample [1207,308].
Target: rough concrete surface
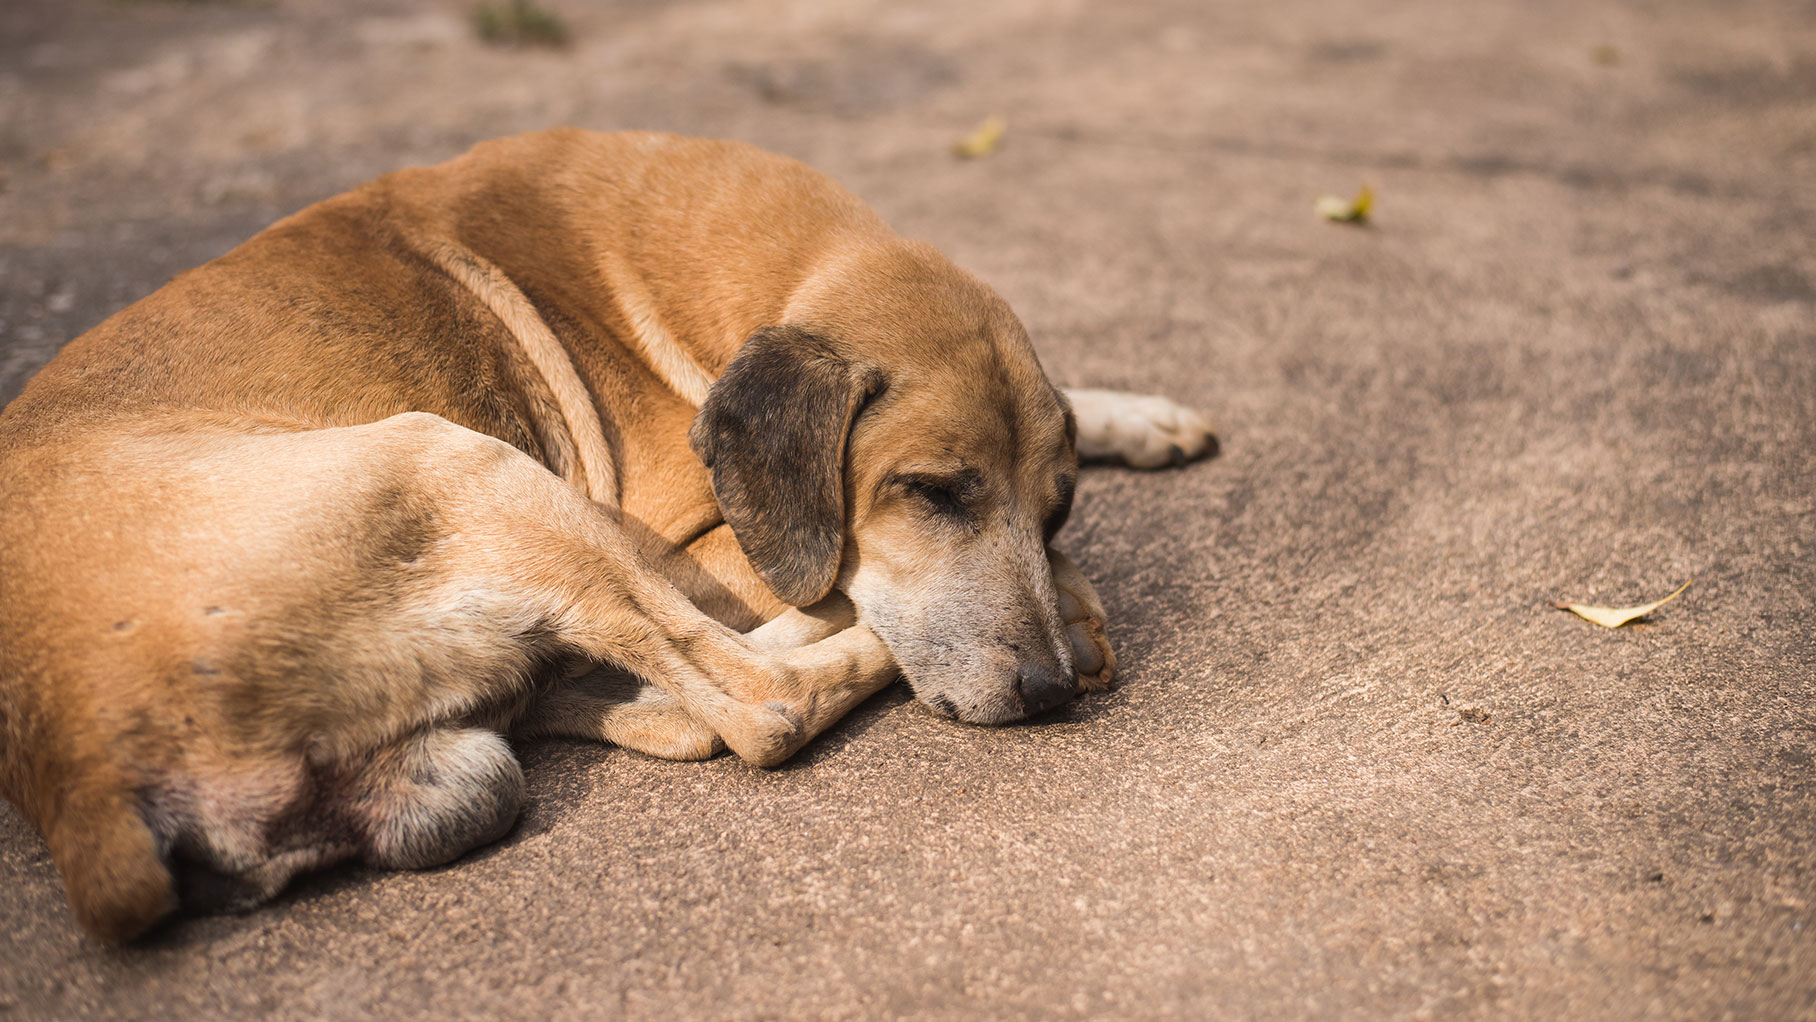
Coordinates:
[1357,766]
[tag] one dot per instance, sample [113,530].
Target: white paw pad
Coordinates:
[1143,430]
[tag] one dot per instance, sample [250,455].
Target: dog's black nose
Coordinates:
[1043,687]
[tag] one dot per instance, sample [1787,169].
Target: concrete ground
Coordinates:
[1357,766]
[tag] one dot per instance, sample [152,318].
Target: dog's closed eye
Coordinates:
[950,497]
[939,496]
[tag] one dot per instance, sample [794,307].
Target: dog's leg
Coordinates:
[764,704]
[481,564]
[364,588]
[551,571]
[803,626]
[1141,430]
[604,704]
[1084,618]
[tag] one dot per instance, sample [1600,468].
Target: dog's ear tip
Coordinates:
[703,436]
[805,568]
[796,592]
[794,583]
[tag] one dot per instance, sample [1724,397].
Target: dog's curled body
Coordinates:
[286,545]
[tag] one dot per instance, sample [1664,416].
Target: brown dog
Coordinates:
[287,545]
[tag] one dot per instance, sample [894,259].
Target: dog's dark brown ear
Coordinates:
[773,431]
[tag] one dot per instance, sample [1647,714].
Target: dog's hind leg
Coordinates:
[1141,430]
[531,568]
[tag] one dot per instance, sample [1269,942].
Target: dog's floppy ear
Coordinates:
[773,431]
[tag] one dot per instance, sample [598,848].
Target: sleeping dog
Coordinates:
[658,441]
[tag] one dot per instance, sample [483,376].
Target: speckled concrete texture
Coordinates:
[1357,767]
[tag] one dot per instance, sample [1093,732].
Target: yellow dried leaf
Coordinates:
[983,139]
[1614,617]
[1348,211]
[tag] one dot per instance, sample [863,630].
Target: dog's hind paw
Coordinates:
[1141,430]
[1084,617]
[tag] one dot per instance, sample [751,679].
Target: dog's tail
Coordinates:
[118,882]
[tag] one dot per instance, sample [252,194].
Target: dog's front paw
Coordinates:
[1142,430]
[764,735]
[1083,615]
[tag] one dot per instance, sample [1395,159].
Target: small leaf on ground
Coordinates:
[1614,617]
[1348,211]
[520,22]
[983,139]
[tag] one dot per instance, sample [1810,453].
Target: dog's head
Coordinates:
[899,441]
